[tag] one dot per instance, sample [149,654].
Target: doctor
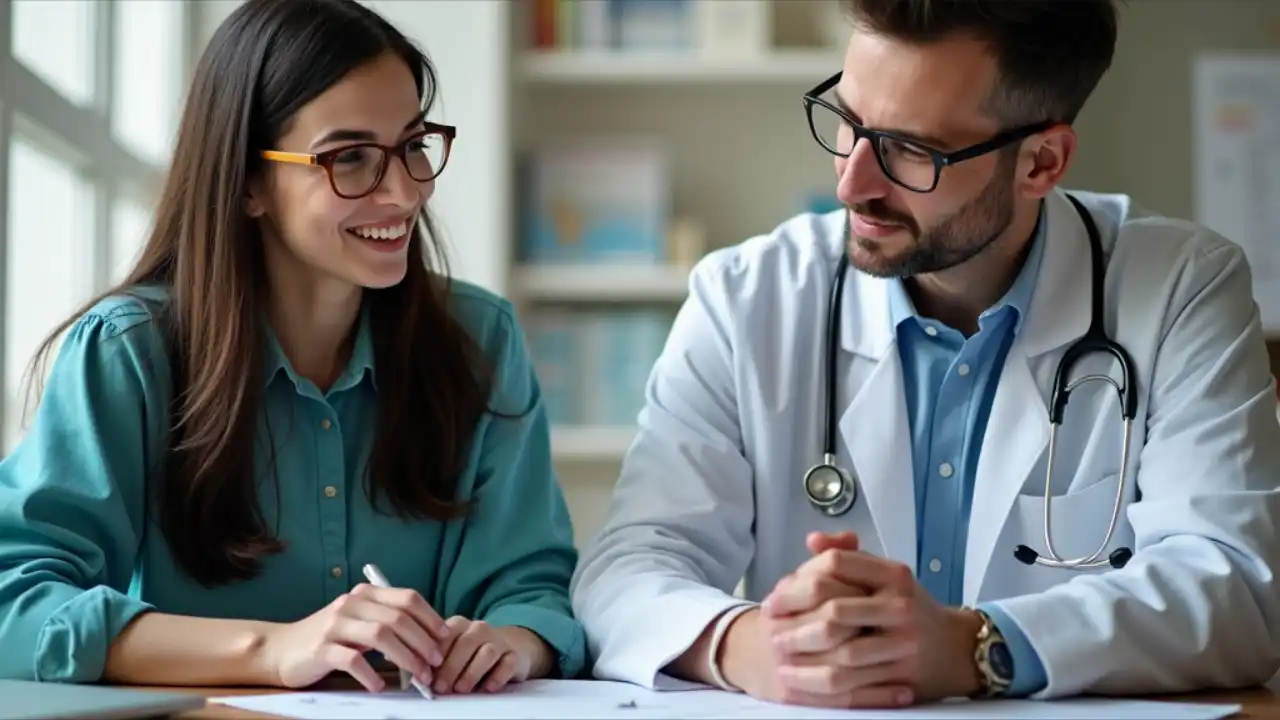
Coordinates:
[914,564]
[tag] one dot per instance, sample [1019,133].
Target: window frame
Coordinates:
[111,168]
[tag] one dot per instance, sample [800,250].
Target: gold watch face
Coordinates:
[995,662]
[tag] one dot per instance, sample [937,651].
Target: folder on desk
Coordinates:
[23,700]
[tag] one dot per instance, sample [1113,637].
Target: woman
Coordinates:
[280,393]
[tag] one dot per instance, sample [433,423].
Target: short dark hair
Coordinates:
[1050,54]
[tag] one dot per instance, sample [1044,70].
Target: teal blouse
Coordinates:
[78,561]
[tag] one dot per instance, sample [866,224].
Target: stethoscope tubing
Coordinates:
[1095,339]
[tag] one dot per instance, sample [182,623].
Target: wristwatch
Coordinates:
[993,659]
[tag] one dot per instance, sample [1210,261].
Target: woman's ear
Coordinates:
[256,199]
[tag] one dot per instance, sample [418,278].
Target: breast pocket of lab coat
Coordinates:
[1079,521]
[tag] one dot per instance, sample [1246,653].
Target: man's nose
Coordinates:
[860,177]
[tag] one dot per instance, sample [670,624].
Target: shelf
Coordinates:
[597,283]
[802,67]
[586,443]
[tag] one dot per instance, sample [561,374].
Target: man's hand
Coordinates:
[860,631]
[747,658]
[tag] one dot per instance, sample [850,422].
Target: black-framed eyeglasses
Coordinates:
[905,160]
[357,169]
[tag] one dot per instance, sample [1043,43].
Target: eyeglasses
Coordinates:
[357,169]
[904,160]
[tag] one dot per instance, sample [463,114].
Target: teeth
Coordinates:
[395,232]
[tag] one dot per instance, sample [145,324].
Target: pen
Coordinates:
[376,577]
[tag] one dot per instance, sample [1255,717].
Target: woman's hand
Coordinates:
[479,656]
[393,621]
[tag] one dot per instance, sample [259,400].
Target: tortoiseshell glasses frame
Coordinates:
[411,152]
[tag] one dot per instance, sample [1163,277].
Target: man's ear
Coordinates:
[1049,159]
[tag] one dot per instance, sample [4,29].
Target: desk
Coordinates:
[1258,704]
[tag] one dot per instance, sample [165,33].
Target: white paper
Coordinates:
[600,700]
[1237,163]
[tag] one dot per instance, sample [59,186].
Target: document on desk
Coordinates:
[601,700]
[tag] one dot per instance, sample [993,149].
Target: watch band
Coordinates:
[994,682]
[717,637]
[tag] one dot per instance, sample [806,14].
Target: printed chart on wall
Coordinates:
[1237,163]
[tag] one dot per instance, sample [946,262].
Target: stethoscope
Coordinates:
[832,490]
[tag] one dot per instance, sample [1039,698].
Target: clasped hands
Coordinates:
[848,629]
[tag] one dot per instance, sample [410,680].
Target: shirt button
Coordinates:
[336,571]
[931,331]
[326,424]
[935,565]
[330,491]
[963,369]
[945,470]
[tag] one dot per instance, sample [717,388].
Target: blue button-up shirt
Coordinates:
[76,565]
[950,383]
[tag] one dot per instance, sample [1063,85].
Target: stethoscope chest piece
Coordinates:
[831,490]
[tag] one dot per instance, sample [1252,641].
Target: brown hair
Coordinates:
[1050,54]
[267,60]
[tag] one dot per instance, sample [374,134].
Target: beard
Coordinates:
[958,238]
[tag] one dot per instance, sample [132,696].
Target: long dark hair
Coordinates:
[267,60]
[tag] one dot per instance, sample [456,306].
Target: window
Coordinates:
[130,222]
[50,212]
[92,93]
[147,82]
[54,39]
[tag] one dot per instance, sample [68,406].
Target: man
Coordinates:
[927,572]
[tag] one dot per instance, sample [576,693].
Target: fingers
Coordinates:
[860,569]
[463,648]
[409,602]
[456,626]
[486,658]
[502,673]
[382,638]
[352,661]
[425,651]
[873,697]
[837,621]
[860,652]
[830,679]
[882,696]
[805,592]
[818,542]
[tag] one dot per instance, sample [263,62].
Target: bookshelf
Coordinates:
[600,283]
[738,159]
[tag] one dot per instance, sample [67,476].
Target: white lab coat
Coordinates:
[711,490]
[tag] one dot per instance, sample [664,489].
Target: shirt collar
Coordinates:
[360,364]
[1018,297]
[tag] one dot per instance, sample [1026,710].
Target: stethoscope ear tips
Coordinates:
[1117,559]
[1025,555]
[1120,557]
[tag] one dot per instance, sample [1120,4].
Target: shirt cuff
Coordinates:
[562,632]
[74,641]
[1028,671]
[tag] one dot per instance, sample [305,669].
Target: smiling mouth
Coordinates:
[382,232]
[877,223]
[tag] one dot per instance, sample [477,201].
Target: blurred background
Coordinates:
[603,147]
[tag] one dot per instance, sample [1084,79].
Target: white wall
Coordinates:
[1136,131]
[472,200]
